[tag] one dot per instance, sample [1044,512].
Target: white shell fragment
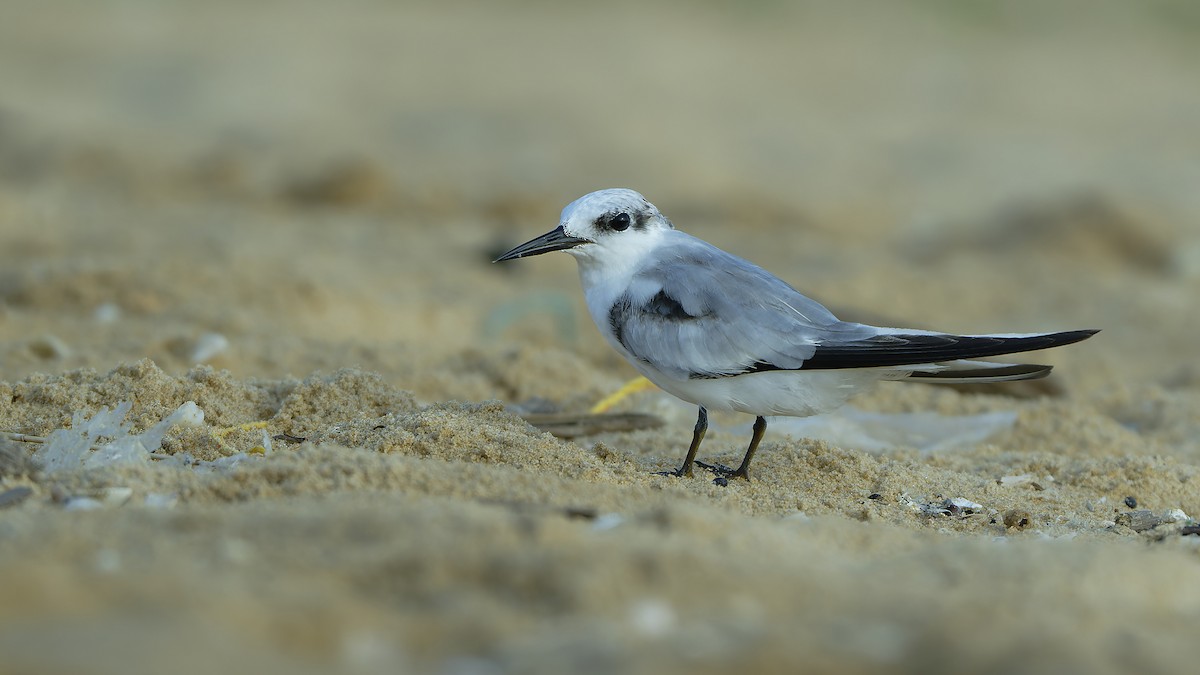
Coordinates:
[109,435]
[961,507]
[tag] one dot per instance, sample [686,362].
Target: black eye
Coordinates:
[619,222]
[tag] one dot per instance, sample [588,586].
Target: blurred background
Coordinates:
[275,187]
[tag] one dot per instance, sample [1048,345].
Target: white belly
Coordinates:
[795,393]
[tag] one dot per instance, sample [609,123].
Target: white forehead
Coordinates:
[600,202]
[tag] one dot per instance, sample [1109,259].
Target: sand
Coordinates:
[286,213]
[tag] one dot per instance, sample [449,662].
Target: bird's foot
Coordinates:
[724,472]
[677,473]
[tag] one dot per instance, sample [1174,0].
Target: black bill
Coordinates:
[554,240]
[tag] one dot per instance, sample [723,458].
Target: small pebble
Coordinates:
[1139,521]
[1017,519]
[875,495]
[15,496]
[82,504]
[1131,502]
[1175,516]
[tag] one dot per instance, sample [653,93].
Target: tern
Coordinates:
[723,333]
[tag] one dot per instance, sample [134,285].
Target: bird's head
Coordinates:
[617,222]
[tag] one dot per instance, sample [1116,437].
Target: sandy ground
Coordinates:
[285,213]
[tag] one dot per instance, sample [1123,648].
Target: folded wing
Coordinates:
[700,312]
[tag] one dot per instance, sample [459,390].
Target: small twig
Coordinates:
[22,438]
[29,438]
[288,438]
[574,425]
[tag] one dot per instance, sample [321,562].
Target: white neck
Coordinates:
[606,271]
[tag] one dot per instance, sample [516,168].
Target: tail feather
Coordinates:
[980,372]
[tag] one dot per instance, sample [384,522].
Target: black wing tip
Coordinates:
[1068,337]
[916,349]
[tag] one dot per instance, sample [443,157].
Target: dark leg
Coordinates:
[697,436]
[760,427]
[743,471]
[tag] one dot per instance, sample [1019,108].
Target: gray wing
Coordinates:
[699,312]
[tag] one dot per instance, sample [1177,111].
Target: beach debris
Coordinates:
[1142,520]
[1176,516]
[1190,530]
[265,447]
[958,507]
[14,496]
[1017,519]
[106,497]
[961,508]
[1131,502]
[1139,521]
[73,448]
[219,435]
[573,425]
[931,509]
[288,438]
[637,384]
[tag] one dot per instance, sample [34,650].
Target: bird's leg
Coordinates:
[697,435]
[743,471]
[760,427]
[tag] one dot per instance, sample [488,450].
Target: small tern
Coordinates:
[723,333]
